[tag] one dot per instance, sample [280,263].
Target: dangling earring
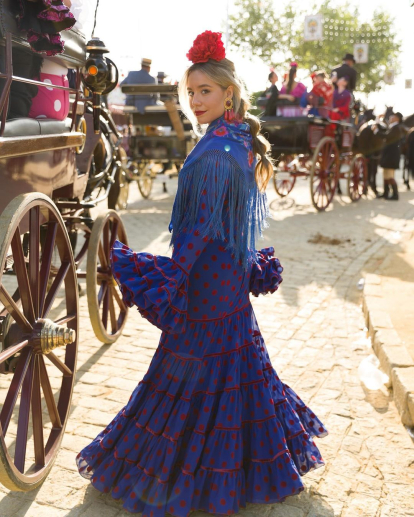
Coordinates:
[228,109]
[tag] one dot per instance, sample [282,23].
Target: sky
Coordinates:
[164,31]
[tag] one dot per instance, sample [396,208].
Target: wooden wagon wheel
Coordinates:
[357,177]
[145,180]
[107,311]
[283,178]
[324,173]
[38,313]
[118,195]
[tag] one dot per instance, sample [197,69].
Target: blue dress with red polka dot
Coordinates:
[210,426]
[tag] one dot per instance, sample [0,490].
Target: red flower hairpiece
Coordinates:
[207,45]
[294,64]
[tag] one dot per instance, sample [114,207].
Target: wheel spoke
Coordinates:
[114,323]
[48,393]
[65,319]
[106,238]
[22,276]
[119,300]
[102,256]
[57,282]
[114,233]
[14,310]
[60,365]
[105,309]
[102,292]
[34,256]
[14,389]
[9,352]
[46,262]
[23,422]
[37,418]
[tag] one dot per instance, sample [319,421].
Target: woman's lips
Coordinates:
[198,113]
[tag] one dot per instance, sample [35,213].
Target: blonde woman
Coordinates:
[210,426]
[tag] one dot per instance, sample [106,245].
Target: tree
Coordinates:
[342,29]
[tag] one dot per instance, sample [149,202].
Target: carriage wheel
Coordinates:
[283,178]
[107,310]
[357,178]
[324,174]
[118,195]
[145,180]
[38,314]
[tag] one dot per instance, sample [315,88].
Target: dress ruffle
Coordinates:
[208,433]
[156,285]
[266,273]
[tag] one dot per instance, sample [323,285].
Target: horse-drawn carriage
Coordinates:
[318,148]
[53,173]
[157,140]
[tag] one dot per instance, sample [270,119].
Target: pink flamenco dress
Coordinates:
[210,426]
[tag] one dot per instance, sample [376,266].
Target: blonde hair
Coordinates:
[223,73]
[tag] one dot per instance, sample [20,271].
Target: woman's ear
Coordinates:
[229,92]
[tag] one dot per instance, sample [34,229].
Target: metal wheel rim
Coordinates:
[105,305]
[145,182]
[324,175]
[357,178]
[283,179]
[31,375]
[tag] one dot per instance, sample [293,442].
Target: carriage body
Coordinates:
[46,196]
[158,140]
[318,148]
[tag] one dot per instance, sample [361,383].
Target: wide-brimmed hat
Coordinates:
[146,62]
[161,75]
[348,57]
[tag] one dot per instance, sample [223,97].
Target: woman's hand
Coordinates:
[336,110]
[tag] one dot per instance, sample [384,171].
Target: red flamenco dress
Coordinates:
[210,426]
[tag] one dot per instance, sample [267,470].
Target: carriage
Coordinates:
[157,140]
[53,174]
[318,148]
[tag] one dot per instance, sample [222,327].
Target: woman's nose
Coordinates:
[196,101]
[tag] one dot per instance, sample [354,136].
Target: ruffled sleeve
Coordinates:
[266,272]
[157,285]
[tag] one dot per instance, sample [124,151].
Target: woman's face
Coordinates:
[206,97]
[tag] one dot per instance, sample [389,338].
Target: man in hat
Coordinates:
[141,77]
[346,70]
[161,77]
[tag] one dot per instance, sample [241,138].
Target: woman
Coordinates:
[341,100]
[291,87]
[210,426]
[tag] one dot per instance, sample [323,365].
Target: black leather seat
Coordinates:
[35,127]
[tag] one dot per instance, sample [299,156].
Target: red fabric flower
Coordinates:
[207,45]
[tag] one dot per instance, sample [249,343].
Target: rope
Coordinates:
[94,21]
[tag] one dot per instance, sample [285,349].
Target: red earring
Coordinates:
[228,109]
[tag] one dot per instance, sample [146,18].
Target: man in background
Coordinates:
[141,77]
[346,70]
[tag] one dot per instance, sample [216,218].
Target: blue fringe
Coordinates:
[244,214]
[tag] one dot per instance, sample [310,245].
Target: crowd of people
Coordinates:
[330,95]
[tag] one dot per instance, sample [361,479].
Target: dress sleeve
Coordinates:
[266,272]
[158,285]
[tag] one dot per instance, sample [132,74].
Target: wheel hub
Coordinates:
[53,336]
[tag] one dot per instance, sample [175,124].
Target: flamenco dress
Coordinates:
[210,426]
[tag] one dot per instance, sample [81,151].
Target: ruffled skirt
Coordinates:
[211,427]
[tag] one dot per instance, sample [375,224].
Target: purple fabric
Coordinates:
[297,91]
[266,273]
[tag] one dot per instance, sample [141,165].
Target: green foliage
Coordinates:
[251,33]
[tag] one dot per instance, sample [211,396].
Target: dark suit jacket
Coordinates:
[345,70]
[140,101]
[270,110]
[391,153]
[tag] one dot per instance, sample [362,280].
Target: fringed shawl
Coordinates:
[221,166]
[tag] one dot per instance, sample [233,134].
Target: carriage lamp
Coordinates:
[99,75]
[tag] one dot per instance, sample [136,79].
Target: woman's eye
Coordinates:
[204,92]
[190,94]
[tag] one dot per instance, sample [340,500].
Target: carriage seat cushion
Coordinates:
[33,127]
